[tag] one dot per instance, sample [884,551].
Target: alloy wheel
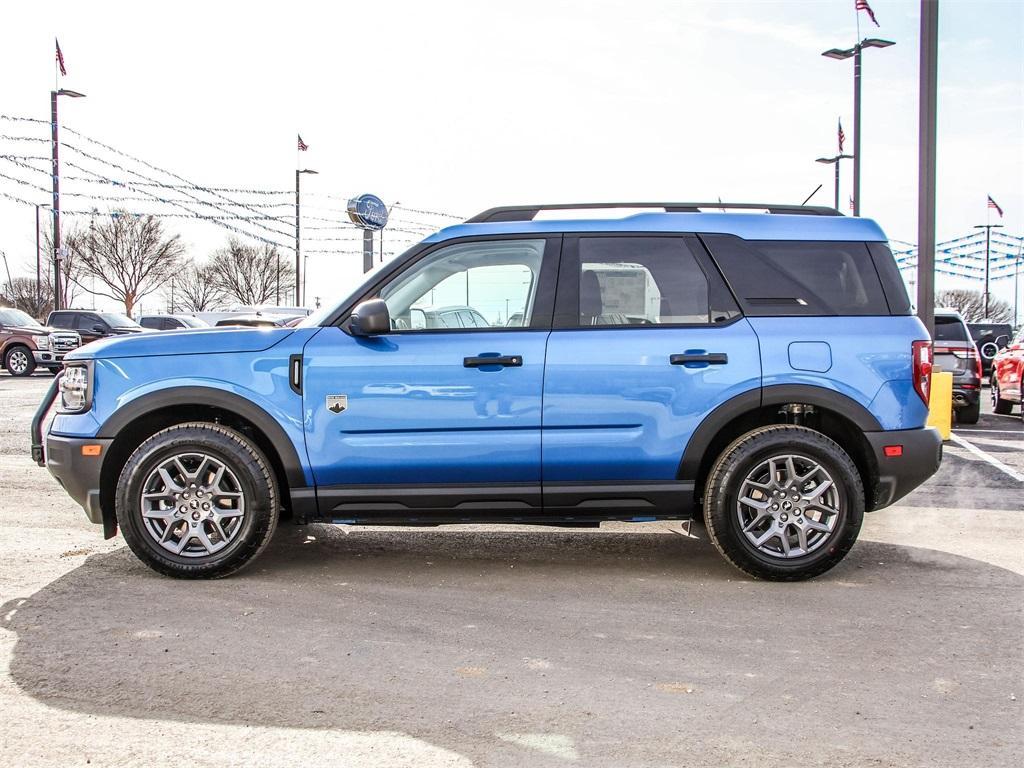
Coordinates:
[192,505]
[17,362]
[788,506]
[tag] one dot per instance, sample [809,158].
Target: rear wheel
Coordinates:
[969,414]
[197,501]
[999,405]
[784,503]
[19,361]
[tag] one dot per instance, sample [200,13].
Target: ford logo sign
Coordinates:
[368,212]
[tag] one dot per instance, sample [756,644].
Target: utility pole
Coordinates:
[988,245]
[298,245]
[39,259]
[929,69]
[57,300]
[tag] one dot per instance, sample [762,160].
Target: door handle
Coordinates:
[708,358]
[510,361]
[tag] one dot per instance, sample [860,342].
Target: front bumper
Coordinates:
[78,473]
[899,475]
[45,357]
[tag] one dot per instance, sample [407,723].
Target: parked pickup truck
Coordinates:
[26,345]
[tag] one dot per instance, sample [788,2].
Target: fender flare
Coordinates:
[778,394]
[217,398]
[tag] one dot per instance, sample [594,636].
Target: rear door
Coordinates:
[436,422]
[647,341]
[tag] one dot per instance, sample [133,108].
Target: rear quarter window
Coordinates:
[780,278]
[950,329]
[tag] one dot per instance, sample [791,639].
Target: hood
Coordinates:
[194,341]
[24,330]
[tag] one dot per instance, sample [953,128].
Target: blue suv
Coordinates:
[760,370]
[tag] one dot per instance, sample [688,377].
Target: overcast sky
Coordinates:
[459,106]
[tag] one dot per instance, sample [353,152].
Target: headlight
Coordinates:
[75,388]
[41,342]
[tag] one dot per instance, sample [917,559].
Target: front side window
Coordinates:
[467,285]
[645,281]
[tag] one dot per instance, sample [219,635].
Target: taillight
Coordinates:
[922,353]
[977,362]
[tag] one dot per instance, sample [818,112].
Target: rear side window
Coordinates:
[774,278]
[950,329]
[61,321]
[892,281]
[646,281]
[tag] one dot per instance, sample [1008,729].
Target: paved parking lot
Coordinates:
[624,646]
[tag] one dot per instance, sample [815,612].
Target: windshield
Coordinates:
[16,317]
[192,322]
[118,321]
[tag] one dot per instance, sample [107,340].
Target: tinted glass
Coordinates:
[62,320]
[151,322]
[118,321]
[491,280]
[86,322]
[781,278]
[642,281]
[950,329]
[892,281]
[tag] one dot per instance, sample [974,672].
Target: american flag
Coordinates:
[60,58]
[303,146]
[862,5]
[842,136]
[993,204]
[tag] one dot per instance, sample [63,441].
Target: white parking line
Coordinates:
[987,457]
[1000,431]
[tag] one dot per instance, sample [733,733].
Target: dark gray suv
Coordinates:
[956,352]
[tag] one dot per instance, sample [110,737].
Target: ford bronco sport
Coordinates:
[761,370]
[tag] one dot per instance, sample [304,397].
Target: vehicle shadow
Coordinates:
[626,646]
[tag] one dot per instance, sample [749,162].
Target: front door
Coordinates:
[647,341]
[441,418]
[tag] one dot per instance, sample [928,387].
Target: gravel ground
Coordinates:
[509,646]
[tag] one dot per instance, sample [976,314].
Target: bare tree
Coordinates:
[252,274]
[71,271]
[129,256]
[21,293]
[196,290]
[971,306]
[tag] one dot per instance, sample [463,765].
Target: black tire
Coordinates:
[255,481]
[1000,406]
[18,360]
[969,414]
[744,456]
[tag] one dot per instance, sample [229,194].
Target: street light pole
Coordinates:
[56,189]
[988,244]
[855,54]
[834,160]
[298,244]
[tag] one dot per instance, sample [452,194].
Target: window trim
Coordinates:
[543,301]
[871,261]
[567,301]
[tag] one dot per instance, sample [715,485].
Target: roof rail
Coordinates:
[528,212]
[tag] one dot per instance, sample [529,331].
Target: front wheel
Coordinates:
[784,503]
[19,361]
[197,500]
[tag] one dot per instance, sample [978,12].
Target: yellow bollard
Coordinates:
[940,404]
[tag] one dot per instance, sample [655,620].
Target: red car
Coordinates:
[1007,375]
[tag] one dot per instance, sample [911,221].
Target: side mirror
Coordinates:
[99,328]
[1002,341]
[371,318]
